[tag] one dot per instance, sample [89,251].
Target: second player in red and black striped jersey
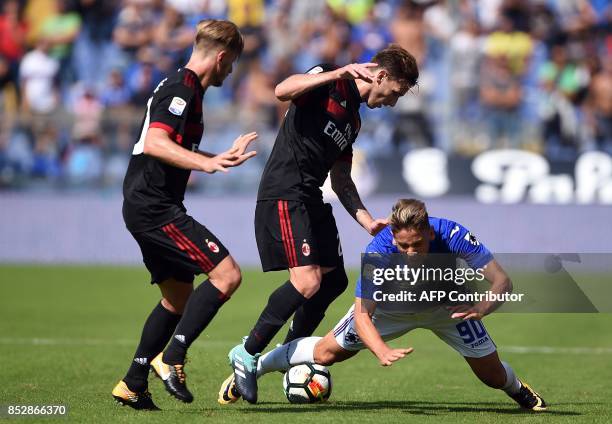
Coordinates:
[153,190]
[319,128]
[294,229]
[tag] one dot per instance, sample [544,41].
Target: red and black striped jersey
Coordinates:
[153,191]
[319,128]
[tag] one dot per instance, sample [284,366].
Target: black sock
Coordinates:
[156,332]
[201,308]
[283,302]
[311,313]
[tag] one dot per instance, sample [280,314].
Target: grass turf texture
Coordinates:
[67,335]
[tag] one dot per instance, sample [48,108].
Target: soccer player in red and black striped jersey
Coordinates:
[175,247]
[294,229]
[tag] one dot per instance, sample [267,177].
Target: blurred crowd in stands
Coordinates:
[75,76]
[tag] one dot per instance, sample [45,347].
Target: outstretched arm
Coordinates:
[344,187]
[159,145]
[298,84]
[369,335]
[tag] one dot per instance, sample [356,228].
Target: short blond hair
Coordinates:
[409,213]
[215,33]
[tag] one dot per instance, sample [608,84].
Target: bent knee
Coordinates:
[230,280]
[308,281]
[234,278]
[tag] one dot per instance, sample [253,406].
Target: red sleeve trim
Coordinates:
[171,132]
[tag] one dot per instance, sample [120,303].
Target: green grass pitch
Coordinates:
[67,335]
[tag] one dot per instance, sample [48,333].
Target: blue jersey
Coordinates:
[450,238]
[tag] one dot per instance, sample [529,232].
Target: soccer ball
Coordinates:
[307,383]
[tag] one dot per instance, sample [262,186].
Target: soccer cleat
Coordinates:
[173,377]
[228,393]
[245,372]
[137,400]
[529,398]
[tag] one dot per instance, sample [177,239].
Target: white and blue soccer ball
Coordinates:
[307,383]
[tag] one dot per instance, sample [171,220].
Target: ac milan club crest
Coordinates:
[305,249]
[212,246]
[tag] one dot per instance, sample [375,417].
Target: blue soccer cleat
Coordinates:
[245,372]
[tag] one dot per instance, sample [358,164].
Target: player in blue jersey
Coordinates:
[411,231]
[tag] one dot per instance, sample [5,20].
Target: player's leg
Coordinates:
[304,281]
[340,344]
[500,375]
[208,297]
[156,332]
[471,339]
[334,279]
[201,308]
[491,372]
[175,295]
[192,249]
[280,228]
[307,350]
[160,324]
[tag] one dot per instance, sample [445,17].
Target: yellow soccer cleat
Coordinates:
[137,400]
[529,398]
[173,377]
[228,393]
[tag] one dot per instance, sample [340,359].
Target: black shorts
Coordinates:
[181,250]
[291,234]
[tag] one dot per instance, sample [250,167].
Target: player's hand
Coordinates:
[242,143]
[225,160]
[465,312]
[374,226]
[389,356]
[357,71]
[233,157]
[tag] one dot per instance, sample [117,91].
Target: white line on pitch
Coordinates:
[557,350]
[43,341]
[36,341]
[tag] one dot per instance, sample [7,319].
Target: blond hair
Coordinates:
[215,33]
[408,213]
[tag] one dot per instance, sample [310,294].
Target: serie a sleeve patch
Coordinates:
[315,70]
[177,106]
